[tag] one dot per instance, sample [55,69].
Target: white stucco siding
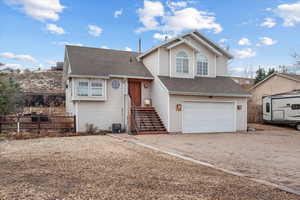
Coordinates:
[222,65]
[164,62]
[176,116]
[160,100]
[146,91]
[69,103]
[151,62]
[102,113]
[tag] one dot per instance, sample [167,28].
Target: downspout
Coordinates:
[125,105]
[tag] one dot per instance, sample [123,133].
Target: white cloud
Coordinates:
[94,30]
[268,22]
[176,5]
[54,29]
[149,14]
[104,47]
[190,19]
[266,41]
[160,36]
[118,13]
[154,17]
[20,57]
[244,53]
[128,49]
[223,40]
[41,10]
[290,13]
[244,42]
[63,43]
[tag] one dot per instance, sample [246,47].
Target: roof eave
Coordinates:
[110,76]
[209,94]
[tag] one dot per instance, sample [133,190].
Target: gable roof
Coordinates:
[204,86]
[96,62]
[293,77]
[198,36]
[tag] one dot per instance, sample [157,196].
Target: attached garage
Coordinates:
[208,117]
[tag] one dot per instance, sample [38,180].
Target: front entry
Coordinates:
[134,91]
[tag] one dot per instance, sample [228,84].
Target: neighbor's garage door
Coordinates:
[208,117]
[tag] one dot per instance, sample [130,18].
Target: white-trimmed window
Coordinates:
[96,88]
[202,65]
[90,88]
[182,62]
[83,88]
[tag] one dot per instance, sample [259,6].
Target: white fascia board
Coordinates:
[207,45]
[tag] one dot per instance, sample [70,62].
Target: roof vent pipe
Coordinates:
[140,45]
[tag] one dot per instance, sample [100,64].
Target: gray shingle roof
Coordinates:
[86,61]
[219,86]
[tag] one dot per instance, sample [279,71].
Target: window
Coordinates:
[202,65]
[96,88]
[83,88]
[91,88]
[295,106]
[267,107]
[182,62]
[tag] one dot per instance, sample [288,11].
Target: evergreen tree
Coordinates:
[10,96]
[260,75]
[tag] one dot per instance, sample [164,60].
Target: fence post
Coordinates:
[18,124]
[74,124]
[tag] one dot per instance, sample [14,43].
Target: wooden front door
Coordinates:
[134,91]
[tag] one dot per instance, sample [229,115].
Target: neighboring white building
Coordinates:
[181,86]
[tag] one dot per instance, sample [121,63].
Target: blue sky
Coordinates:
[33,32]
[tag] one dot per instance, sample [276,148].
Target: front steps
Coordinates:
[148,121]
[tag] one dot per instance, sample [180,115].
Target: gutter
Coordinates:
[209,94]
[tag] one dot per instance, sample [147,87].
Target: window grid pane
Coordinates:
[96,88]
[202,65]
[182,62]
[83,88]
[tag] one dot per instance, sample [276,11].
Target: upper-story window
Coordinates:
[83,88]
[182,62]
[96,88]
[92,88]
[202,65]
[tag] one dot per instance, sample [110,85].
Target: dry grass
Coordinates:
[100,167]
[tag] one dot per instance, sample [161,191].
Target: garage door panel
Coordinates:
[202,117]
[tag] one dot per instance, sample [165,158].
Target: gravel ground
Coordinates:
[273,156]
[101,167]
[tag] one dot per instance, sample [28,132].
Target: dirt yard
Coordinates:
[101,167]
[273,156]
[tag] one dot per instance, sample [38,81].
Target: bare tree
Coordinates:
[296,56]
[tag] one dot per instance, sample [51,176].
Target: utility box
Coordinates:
[116,128]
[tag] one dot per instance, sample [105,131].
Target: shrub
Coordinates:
[91,129]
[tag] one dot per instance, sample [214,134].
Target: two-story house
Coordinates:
[181,85]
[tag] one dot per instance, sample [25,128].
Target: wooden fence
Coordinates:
[37,123]
[254,113]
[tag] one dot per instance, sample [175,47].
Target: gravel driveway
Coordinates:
[101,167]
[269,155]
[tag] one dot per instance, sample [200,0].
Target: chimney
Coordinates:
[140,45]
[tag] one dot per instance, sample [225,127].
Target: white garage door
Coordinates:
[208,117]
